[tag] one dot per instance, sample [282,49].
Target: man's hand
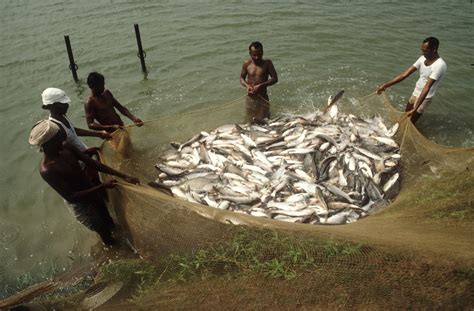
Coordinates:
[105,135]
[116,127]
[138,122]
[256,88]
[381,88]
[92,151]
[132,180]
[409,113]
[110,184]
[250,89]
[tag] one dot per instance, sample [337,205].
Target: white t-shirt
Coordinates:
[434,71]
[72,137]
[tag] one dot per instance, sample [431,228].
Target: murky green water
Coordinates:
[195,50]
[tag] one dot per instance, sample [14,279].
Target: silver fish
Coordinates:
[337,219]
[170,171]
[298,213]
[338,192]
[241,199]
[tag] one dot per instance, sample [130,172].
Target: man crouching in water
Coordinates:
[254,76]
[60,168]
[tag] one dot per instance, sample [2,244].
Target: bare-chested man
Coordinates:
[61,169]
[101,107]
[257,74]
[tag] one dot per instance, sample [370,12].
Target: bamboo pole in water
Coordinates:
[141,54]
[72,65]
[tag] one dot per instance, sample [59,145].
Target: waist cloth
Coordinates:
[92,213]
[256,107]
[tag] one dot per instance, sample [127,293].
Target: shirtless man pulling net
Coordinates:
[257,74]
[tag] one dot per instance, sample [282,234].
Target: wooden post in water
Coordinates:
[141,54]
[72,65]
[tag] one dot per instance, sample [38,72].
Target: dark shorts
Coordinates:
[92,214]
[256,108]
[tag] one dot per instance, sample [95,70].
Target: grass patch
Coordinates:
[266,252]
[271,253]
[44,273]
[251,252]
[447,198]
[135,273]
[466,272]
[266,269]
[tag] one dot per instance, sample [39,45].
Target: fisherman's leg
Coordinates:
[105,215]
[419,111]
[92,215]
[250,109]
[263,111]
[104,223]
[415,116]
[106,237]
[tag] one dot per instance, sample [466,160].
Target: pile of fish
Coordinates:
[318,168]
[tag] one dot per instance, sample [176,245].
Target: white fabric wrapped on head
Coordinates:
[42,132]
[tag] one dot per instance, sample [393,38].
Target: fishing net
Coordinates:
[157,221]
[429,223]
[415,253]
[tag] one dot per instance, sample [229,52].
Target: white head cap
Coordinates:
[42,132]
[53,95]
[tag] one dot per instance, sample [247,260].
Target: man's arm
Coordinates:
[100,166]
[89,110]
[100,134]
[123,110]
[423,94]
[57,182]
[243,77]
[402,76]
[273,75]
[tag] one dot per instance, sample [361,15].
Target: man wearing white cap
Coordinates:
[57,102]
[61,169]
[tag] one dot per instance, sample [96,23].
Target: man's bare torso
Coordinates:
[257,74]
[103,109]
[64,173]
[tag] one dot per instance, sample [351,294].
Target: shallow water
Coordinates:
[195,50]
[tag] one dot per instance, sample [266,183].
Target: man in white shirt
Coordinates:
[432,69]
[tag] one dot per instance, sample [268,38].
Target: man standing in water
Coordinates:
[101,107]
[432,69]
[61,169]
[257,74]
